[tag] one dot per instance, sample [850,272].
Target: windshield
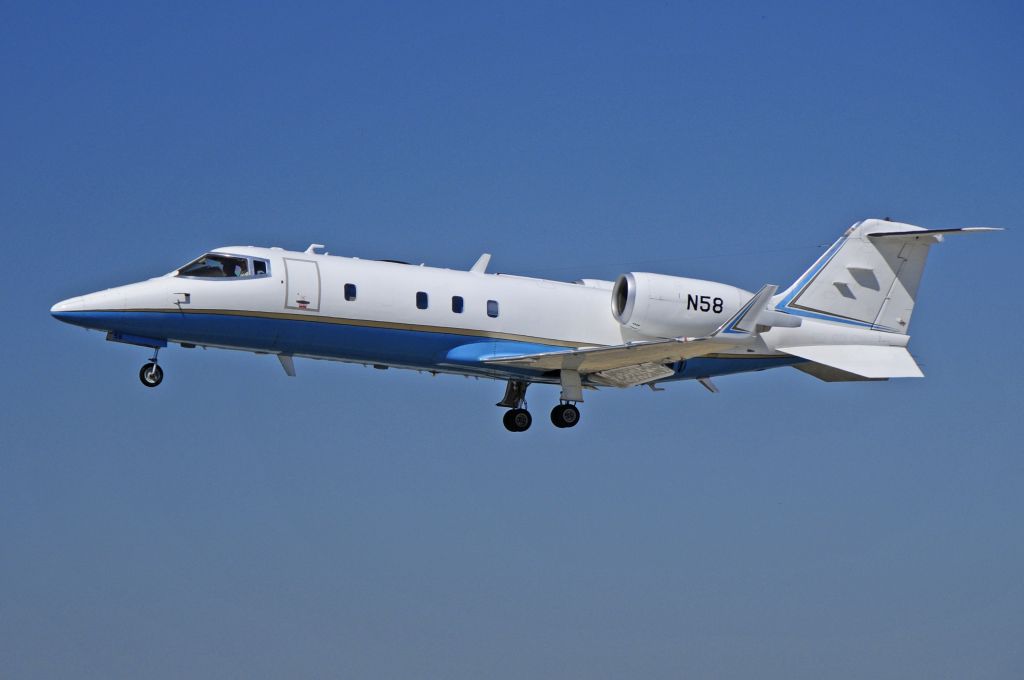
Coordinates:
[213,265]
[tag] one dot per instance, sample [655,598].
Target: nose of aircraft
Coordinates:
[68,310]
[65,306]
[85,310]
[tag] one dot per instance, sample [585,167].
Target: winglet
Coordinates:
[481,264]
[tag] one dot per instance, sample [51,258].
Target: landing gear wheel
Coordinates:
[517,420]
[565,415]
[151,375]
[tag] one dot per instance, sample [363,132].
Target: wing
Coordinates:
[636,363]
[595,359]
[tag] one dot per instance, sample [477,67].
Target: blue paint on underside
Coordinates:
[482,350]
[409,348]
[366,344]
[709,367]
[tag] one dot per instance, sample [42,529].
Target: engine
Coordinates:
[673,306]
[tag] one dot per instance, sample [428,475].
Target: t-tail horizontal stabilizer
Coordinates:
[919,232]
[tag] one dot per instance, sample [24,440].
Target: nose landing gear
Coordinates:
[151,374]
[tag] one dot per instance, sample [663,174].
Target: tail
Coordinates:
[867,280]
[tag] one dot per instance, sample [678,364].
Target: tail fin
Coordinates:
[868,278]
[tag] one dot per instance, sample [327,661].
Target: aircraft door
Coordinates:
[303,289]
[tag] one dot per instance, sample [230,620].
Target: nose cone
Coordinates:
[89,310]
[65,306]
[66,310]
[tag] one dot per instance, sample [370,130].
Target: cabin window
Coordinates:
[350,292]
[421,300]
[492,308]
[457,304]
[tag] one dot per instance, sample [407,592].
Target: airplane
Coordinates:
[844,319]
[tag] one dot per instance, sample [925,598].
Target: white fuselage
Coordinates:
[366,311]
[845,318]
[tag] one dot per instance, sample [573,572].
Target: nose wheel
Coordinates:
[565,415]
[151,374]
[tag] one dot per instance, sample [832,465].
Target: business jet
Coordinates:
[846,318]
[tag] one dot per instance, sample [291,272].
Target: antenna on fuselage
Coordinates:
[313,247]
[481,264]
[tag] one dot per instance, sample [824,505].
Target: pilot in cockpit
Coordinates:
[216,265]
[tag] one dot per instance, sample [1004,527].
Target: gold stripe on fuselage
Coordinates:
[367,323]
[391,325]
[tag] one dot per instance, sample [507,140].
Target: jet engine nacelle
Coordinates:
[673,306]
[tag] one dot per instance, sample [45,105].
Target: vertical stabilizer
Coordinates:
[868,278]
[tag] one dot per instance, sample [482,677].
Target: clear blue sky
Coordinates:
[365,524]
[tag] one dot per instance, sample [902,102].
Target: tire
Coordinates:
[565,415]
[556,417]
[151,375]
[517,420]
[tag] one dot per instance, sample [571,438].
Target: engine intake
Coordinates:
[664,306]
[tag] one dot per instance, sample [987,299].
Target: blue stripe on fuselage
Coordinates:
[366,344]
[350,342]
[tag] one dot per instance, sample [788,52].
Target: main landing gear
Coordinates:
[151,374]
[565,415]
[518,419]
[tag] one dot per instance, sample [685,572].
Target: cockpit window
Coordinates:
[213,265]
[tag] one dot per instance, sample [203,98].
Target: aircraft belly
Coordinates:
[711,366]
[449,352]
